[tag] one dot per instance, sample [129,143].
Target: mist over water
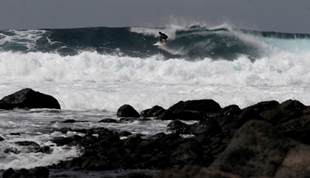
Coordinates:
[94,71]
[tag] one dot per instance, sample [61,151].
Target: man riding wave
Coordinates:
[162,37]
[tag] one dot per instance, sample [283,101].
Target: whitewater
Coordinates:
[94,71]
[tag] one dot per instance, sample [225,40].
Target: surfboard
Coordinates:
[160,43]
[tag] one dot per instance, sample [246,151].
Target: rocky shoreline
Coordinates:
[267,139]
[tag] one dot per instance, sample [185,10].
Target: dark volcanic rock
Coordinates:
[236,143]
[264,106]
[27,147]
[153,112]
[292,105]
[296,128]
[190,110]
[209,126]
[127,111]
[161,151]
[230,110]
[206,105]
[38,172]
[179,127]
[167,115]
[108,120]
[189,115]
[246,115]
[259,150]
[28,99]
[194,172]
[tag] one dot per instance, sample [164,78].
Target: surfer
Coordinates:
[162,37]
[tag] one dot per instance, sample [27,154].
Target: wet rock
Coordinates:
[209,126]
[127,111]
[29,147]
[194,172]
[225,120]
[190,115]
[246,115]
[11,150]
[253,151]
[8,173]
[167,115]
[129,119]
[133,141]
[27,143]
[158,135]
[259,150]
[15,134]
[179,127]
[230,110]
[108,120]
[73,140]
[292,105]
[264,106]
[153,112]
[28,99]
[38,172]
[190,110]
[69,121]
[125,134]
[206,105]
[296,128]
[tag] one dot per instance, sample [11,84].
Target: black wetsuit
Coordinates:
[163,36]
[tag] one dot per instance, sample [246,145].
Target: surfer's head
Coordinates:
[159,33]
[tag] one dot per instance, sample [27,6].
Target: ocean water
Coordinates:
[94,71]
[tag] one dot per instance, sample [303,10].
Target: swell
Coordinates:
[191,43]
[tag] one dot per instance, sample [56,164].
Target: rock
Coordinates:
[189,115]
[132,141]
[127,111]
[230,110]
[292,105]
[27,143]
[206,105]
[264,106]
[153,112]
[124,133]
[73,140]
[194,172]
[246,115]
[30,147]
[179,127]
[296,128]
[108,120]
[28,99]
[167,115]
[15,134]
[69,121]
[38,172]
[225,120]
[190,152]
[190,110]
[8,173]
[209,126]
[160,151]
[11,150]
[259,150]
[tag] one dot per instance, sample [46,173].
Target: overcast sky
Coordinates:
[267,15]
